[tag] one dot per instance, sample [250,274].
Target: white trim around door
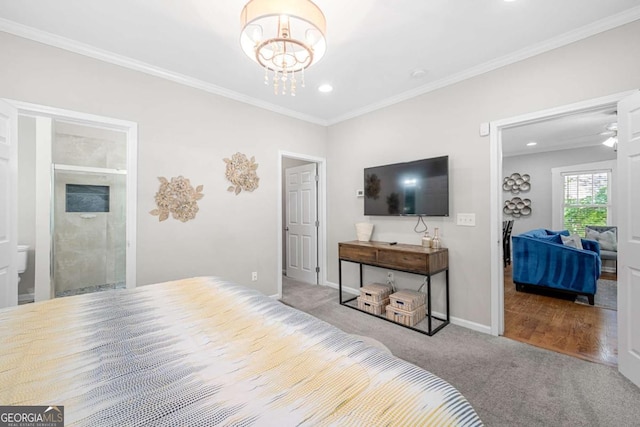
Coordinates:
[322,214]
[131,131]
[495,136]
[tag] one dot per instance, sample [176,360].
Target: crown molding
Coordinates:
[594,28]
[50,39]
[578,34]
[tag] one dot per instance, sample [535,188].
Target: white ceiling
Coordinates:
[573,131]
[373,45]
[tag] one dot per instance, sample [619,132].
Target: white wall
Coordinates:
[539,167]
[446,121]
[182,131]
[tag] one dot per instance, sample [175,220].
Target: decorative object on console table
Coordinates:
[426,240]
[399,257]
[364,230]
[435,242]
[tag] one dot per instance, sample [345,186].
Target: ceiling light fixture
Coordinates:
[284,37]
[325,88]
[531,144]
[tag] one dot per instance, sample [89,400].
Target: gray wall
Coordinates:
[446,121]
[182,131]
[187,131]
[539,166]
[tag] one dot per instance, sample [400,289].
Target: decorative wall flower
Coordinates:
[241,172]
[178,198]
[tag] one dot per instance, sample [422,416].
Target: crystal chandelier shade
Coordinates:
[284,37]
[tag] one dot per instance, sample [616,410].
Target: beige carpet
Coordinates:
[510,384]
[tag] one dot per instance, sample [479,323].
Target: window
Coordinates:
[586,199]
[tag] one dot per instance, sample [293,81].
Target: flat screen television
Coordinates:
[420,187]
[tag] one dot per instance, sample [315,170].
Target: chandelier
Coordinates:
[284,37]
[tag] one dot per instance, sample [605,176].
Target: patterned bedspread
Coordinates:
[202,352]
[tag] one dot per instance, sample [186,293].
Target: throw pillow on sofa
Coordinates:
[606,239]
[573,241]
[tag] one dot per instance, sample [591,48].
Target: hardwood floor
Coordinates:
[590,333]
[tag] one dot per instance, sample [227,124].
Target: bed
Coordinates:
[202,352]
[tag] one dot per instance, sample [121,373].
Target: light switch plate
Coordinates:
[359,193]
[466,219]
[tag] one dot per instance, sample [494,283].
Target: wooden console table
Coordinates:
[399,257]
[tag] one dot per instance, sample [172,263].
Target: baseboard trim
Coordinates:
[26,297]
[344,288]
[478,327]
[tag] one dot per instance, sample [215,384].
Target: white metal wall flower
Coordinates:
[241,172]
[178,198]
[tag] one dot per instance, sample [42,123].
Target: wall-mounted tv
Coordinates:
[420,187]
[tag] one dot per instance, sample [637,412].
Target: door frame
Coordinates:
[495,179]
[322,214]
[131,131]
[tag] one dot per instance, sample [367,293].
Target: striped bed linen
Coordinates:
[203,352]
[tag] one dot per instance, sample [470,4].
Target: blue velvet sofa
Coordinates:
[540,259]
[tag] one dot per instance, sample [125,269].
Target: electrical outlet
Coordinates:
[466,219]
[254,276]
[389,277]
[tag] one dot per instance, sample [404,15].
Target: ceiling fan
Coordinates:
[612,134]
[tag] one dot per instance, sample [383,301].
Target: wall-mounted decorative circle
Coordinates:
[516,183]
[517,207]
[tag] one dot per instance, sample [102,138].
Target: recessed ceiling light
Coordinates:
[532,143]
[325,88]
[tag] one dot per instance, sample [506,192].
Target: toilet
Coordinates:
[23,251]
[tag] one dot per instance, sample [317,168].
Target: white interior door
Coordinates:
[8,205]
[301,223]
[629,238]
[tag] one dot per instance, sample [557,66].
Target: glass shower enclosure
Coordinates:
[88,209]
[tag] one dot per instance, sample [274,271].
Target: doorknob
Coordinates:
[286,229]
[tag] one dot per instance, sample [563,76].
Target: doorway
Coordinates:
[77,201]
[301,242]
[496,203]
[88,214]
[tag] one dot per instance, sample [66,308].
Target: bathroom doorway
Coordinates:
[89,209]
[76,202]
